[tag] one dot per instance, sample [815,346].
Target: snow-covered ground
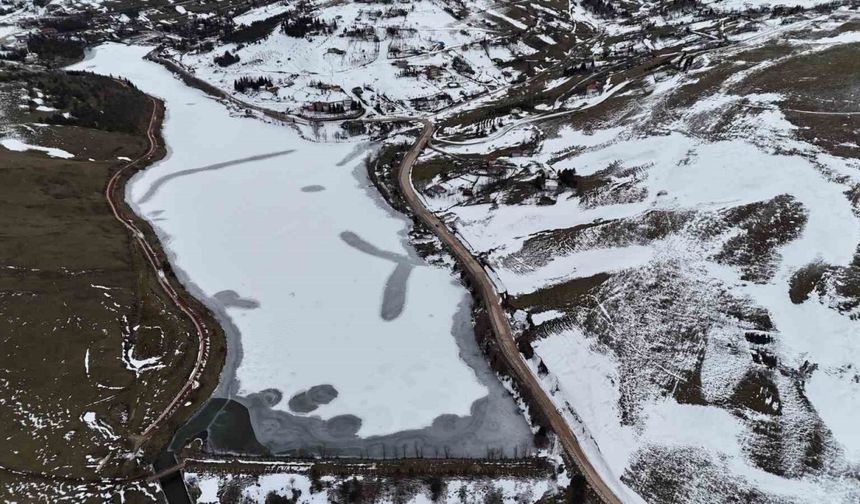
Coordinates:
[282,229]
[14,144]
[261,13]
[653,368]
[298,485]
[687,174]
[742,5]
[398,58]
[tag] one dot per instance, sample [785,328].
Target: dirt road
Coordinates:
[499,321]
[111,195]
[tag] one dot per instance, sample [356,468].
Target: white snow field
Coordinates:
[250,228]
[425,38]
[683,174]
[14,144]
[602,364]
[288,484]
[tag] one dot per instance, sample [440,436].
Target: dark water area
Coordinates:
[172,485]
[225,423]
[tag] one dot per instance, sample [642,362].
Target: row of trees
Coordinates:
[302,25]
[93,101]
[335,108]
[582,67]
[226,59]
[244,83]
[56,48]
[601,7]
[255,31]
[682,5]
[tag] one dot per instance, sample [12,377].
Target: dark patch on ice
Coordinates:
[357,151]
[250,425]
[309,400]
[394,295]
[270,397]
[313,188]
[322,394]
[217,166]
[231,298]
[359,243]
[343,426]
[301,403]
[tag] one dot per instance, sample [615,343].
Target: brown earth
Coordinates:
[79,304]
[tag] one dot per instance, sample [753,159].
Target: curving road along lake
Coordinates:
[341,337]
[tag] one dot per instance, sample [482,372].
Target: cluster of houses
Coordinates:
[346,108]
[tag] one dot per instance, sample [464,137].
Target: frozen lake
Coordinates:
[332,315]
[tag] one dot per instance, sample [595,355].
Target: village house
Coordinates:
[332,107]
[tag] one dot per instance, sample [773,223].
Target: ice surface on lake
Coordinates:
[248,227]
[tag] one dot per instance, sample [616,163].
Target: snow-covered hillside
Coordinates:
[303,489]
[390,58]
[684,264]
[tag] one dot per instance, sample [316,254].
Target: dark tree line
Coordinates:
[226,59]
[14,54]
[244,83]
[292,24]
[302,25]
[601,7]
[255,31]
[568,177]
[198,28]
[68,23]
[93,101]
[461,66]
[682,5]
[782,10]
[361,32]
[339,108]
[581,68]
[56,47]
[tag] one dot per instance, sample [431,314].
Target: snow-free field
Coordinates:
[246,206]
